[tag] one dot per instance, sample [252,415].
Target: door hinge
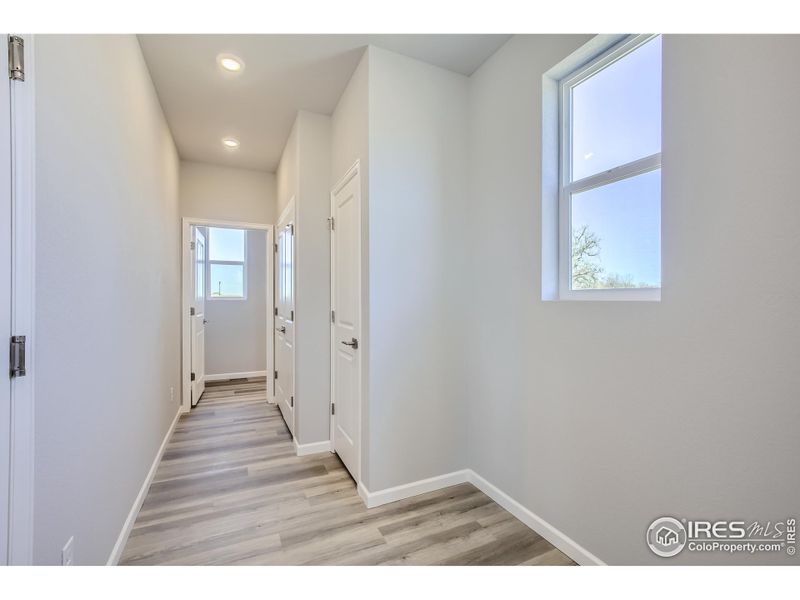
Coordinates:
[333,408]
[276,375]
[276,247]
[291,401]
[191,311]
[331,223]
[193,377]
[17,356]
[191,245]
[291,315]
[276,311]
[291,228]
[16,58]
[333,316]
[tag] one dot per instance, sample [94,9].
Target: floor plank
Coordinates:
[231,491]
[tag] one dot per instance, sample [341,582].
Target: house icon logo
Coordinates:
[666,536]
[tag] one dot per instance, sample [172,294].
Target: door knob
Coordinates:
[205,321]
[353,343]
[282,329]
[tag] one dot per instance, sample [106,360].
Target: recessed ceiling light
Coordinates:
[230,143]
[231,63]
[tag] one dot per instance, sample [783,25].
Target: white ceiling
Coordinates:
[282,74]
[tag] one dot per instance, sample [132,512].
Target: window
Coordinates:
[610,175]
[226,263]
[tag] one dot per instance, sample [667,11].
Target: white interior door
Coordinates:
[346,326]
[5,303]
[198,318]
[284,317]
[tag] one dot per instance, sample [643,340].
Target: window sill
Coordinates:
[612,295]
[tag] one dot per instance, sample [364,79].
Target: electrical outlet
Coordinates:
[67,552]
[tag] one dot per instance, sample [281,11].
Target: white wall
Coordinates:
[286,175]
[108,290]
[350,143]
[226,193]
[417,190]
[312,301]
[236,332]
[304,173]
[601,416]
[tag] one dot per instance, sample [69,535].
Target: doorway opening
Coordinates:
[227,319]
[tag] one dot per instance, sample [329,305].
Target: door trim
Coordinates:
[23,273]
[289,213]
[354,170]
[186,299]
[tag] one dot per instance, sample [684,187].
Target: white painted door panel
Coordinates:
[284,319]
[346,328]
[198,320]
[5,302]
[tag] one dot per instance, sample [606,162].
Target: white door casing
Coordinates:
[188,283]
[284,318]
[346,322]
[5,305]
[198,320]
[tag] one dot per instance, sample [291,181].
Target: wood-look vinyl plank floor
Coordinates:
[230,491]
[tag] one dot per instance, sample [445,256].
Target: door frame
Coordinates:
[288,212]
[193,319]
[23,274]
[186,299]
[353,171]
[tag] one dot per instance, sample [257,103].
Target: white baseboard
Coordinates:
[244,375]
[553,535]
[415,488]
[315,448]
[116,553]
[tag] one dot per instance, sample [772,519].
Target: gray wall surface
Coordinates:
[601,416]
[350,143]
[236,332]
[107,290]
[312,301]
[227,193]
[417,187]
[304,174]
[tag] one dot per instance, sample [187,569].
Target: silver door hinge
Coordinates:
[276,247]
[276,375]
[276,311]
[16,58]
[291,401]
[191,311]
[331,223]
[333,408]
[333,316]
[17,357]
[291,228]
[192,377]
[291,315]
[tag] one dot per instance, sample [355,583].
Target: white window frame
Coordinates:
[568,187]
[209,262]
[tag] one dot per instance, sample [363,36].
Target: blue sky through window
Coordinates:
[616,119]
[626,219]
[226,280]
[226,244]
[616,113]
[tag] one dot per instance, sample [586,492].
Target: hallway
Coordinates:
[230,490]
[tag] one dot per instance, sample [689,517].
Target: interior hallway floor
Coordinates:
[230,490]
